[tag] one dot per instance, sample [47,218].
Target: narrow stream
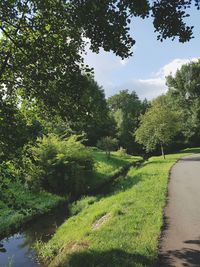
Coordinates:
[16,250]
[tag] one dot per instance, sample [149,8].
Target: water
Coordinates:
[16,250]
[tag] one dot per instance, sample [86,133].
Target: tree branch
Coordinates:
[11,39]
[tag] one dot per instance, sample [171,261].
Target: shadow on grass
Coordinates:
[120,183]
[114,257]
[124,183]
[114,160]
[191,150]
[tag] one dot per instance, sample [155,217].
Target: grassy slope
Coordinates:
[128,233]
[21,205]
[106,168]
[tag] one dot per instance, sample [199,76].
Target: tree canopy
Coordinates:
[184,95]
[126,107]
[157,126]
[42,42]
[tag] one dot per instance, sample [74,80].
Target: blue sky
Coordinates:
[152,60]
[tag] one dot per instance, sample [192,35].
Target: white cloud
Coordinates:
[145,88]
[173,66]
[155,85]
[105,64]
[110,70]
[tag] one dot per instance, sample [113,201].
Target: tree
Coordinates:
[15,130]
[42,41]
[157,126]
[107,144]
[96,122]
[184,95]
[126,108]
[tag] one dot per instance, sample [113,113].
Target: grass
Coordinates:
[121,229]
[20,205]
[106,168]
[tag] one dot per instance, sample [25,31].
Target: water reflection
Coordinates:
[17,251]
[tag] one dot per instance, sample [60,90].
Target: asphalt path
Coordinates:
[180,241]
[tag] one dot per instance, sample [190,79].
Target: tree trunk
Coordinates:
[162,150]
[108,154]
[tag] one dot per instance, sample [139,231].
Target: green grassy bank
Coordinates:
[106,168]
[19,205]
[121,229]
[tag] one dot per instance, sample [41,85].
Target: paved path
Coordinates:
[180,244]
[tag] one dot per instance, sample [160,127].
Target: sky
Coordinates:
[151,62]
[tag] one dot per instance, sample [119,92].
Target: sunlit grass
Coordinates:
[105,168]
[128,223]
[26,203]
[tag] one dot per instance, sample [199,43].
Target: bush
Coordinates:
[121,152]
[8,175]
[59,165]
[108,144]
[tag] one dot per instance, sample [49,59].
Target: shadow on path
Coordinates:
[190,159]
[190,257]
[114,257]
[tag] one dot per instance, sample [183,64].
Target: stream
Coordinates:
[16,250]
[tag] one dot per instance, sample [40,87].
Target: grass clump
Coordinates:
[129,223]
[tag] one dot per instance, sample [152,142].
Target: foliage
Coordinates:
[20,205]
[42,43]
[62,165]
[26,120]
[45,52]
[121,152]
[41,50]
[96,122]
[13,127]
[158,125]
[184,95]
[134,211]
[126,108]
[107,144]
[8,175]
[17,203]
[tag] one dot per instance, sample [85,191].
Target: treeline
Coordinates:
[24,120]
[44,143]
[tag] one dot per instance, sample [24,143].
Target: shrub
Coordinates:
[108,144]
[61,165]
[121,152]
[8,175]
